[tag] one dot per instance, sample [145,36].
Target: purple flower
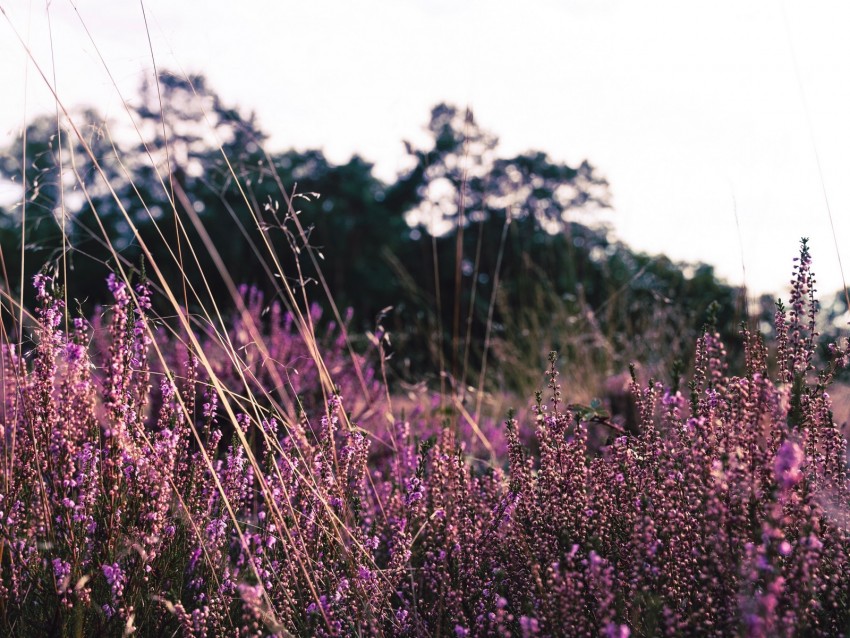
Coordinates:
[529,626]
[116,578]
[62,574]
[789,459]
[613,630]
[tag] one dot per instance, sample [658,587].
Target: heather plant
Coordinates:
[134,502]
[200,459]
[286,360]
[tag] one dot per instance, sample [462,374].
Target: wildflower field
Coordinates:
[246,393]
[155,483]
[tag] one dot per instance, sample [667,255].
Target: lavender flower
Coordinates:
[179,507]
[788,463]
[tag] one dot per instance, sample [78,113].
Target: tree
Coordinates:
[195,179]
[57,175]
[461,179]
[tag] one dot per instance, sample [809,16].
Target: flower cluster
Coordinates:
[138,497]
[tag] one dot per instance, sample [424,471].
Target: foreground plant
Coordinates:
[133,502]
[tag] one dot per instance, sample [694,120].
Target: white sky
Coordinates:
[686,107]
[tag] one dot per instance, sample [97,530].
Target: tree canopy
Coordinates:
[196,180]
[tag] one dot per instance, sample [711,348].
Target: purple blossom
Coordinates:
[788,463]
[116,578]
[328,525]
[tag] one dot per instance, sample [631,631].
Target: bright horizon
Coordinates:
[692,111]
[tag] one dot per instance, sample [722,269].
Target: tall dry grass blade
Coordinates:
[470,315]
[180,313]
[63,210]
[488,330]
[24,194]
[805,105]
[166,145]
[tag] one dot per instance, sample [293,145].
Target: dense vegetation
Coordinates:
[210,444]
[177,493]
[426,245]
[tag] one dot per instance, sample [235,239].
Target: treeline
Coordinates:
[421,254]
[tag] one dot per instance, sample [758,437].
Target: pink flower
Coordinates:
[787,464]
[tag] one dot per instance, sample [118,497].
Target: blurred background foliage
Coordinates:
[424,252]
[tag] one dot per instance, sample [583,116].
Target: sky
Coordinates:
[721,126]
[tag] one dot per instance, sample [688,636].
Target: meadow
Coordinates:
[154,484]
[184,453]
